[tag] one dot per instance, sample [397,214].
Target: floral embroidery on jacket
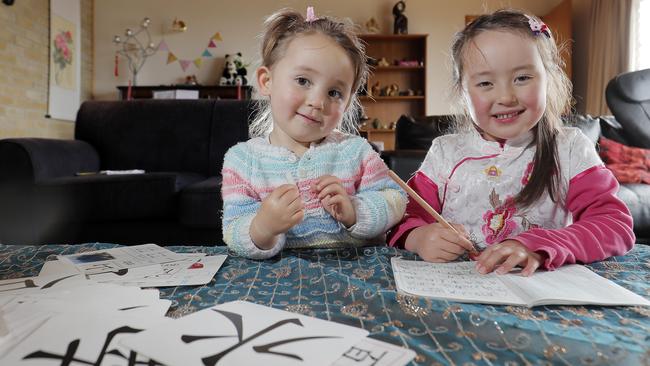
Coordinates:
[499,223]
[529,171]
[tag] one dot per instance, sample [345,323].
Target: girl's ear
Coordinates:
[263,75]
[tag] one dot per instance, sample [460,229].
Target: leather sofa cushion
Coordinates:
[589,125]
[418,133]
[200,204]
[96,198]
[637,199]
[628,97]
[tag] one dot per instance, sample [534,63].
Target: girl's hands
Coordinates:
[280,211]
[335,199]
[503,257]
[437,243]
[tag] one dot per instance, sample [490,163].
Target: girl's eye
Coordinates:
[523,78]
[484,84]
[302,81]
[335,94]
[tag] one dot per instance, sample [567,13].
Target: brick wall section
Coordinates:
[24,69]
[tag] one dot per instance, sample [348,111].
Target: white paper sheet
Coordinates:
[116,259]
[26,313]
[194,269]
[243,333]
[459,281]
[86,337]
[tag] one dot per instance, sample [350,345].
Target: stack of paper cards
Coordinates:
[76,323]
[243,333]
[116,259]
[145,265]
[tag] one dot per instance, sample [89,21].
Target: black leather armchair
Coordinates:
[628,97]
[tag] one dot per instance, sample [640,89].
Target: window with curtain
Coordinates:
[640,32]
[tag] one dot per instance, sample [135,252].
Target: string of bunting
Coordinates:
[185,63]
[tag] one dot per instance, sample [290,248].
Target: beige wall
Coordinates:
[241,21]
[24,69]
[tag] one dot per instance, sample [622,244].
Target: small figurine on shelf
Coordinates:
[240,66]
[401,25]
[383,62]
[229,72]
[408,63]
[375,123]
[391,90]
[375,90]
[407,93]
[372,26]
[191,80]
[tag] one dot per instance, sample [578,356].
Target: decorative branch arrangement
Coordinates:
[134,49]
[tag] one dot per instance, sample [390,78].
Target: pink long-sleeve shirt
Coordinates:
[471,181]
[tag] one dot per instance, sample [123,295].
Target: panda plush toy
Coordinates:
[240,66]
[229,73]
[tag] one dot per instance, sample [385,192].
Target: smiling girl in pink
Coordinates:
[301,181]
[514,182]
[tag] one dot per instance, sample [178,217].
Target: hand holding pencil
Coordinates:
[416,197]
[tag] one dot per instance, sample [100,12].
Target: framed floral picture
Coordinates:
[62,62]
[65,59]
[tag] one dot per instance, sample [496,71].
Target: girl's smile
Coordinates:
[308,118]
[507,117]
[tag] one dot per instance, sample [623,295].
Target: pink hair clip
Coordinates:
[538,27]
[310,14]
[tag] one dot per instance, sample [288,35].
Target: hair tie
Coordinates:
[310,15]
[538,27]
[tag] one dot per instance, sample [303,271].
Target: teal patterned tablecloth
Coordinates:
[356,287]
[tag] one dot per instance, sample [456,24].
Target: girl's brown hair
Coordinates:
[545,174]
[285,25]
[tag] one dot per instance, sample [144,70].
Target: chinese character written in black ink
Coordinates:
[361,355]
[30,284]
[236,320]
[68,358]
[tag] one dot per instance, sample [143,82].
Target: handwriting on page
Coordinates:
[453,280]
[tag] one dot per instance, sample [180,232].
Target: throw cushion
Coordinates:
[629,164]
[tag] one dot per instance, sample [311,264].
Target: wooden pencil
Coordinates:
[423,203]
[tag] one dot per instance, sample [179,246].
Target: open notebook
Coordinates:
[459,281]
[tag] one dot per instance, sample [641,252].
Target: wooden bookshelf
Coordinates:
[388,108]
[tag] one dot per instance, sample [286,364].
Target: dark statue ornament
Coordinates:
[401,21]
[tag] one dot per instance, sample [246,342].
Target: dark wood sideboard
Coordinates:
[205,91]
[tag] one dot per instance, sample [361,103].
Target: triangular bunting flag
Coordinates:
[217,36]
[206,53]
[212,44]
[171,58]
[185,64]
[162,46]
[197,62]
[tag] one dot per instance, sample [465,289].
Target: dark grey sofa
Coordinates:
[180,145]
